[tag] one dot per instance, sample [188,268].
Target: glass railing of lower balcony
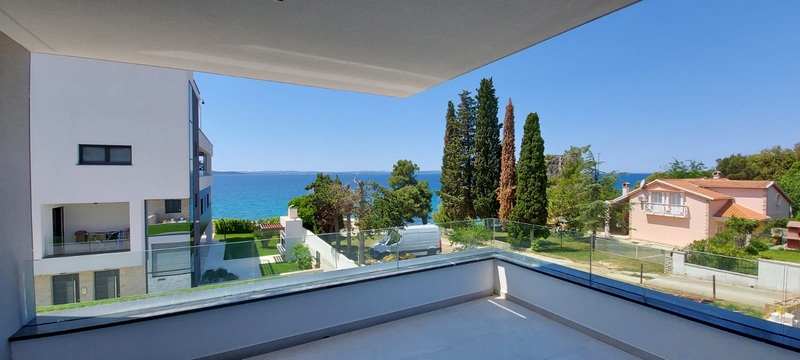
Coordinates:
[89,243]
[761,292]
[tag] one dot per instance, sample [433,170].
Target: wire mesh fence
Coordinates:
[721,262]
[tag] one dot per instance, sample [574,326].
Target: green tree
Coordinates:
[466,116]
[450,193]
[577,192]
[772,163]
[324,207]
[790,184]
[403,174]
[736,167]
[487,152]
[531,206]
[677,169]
[508,164]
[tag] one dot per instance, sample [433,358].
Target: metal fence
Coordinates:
[629,250]
[721,262]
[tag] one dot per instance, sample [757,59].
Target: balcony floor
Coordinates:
[488,328]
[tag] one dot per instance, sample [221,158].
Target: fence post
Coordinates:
[641,272]
[714,286]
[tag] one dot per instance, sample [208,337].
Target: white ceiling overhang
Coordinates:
[396,48]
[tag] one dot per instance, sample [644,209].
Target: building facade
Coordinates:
[112,174]
[679,211]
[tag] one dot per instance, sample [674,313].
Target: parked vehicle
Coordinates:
[418,240]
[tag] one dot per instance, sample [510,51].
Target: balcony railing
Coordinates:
[665,210]
[89,243]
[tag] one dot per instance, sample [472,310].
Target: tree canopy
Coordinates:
[487,152]
[531,206]
[506,193]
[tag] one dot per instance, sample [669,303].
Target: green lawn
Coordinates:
[156,229]
[747,310]
[240,246]
[781,255]
[576,248]
[278,268]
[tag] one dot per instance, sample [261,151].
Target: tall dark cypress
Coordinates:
[531,206]
[487,152]
[466,119]
[450,193]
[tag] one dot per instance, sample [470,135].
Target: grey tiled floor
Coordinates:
[488,328]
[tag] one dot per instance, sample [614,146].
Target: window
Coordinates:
[104,155]
[667,203]
[172,206]
[65,289]
[106,284]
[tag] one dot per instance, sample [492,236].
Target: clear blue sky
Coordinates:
[655,81]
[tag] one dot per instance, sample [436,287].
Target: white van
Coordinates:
[418,240]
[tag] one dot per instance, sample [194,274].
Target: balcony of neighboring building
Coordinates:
[88,228]
[205,154]
[661,209]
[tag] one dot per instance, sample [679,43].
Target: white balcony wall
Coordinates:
[78,101]
[75,264]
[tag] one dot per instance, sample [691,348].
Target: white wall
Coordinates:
[73,264]
[79,101]
[777,209]
[329,258]
[255,324]
[15,208]
[780,276]
[638,327]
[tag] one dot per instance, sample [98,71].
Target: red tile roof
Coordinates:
[735,210]
[270,226]
[727,183]
[690,186]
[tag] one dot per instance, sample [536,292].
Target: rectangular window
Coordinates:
[104,155]
[172,206]
[106,284]
[66,289]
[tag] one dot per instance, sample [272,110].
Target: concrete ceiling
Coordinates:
[395,48]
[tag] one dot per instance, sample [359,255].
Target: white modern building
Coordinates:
[474,304]
[115,171]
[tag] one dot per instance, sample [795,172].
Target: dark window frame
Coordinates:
[169,206]
[107,149]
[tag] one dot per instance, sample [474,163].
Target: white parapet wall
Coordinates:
[327,257]
[776,275]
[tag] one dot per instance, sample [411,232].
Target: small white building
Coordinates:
[119,166]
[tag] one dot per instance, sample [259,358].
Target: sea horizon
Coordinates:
[258,195]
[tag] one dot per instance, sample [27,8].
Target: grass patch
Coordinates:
[747,310]
[781,255]
[278,268]
[577,249]
[240,246]
[157,229]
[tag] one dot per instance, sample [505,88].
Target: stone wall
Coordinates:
[132,282]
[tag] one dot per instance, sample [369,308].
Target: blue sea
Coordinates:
[258,196]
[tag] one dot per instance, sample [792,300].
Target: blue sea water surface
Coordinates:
[259,196]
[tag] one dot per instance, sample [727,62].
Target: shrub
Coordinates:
[302,256]
[216,276]
[470,237]
[756,246]
[234,226]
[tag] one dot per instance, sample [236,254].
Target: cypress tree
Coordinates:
[531,206]
[508,163]
[450,193]
[487,152]
[466,117]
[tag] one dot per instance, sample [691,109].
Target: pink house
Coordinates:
[678,211]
